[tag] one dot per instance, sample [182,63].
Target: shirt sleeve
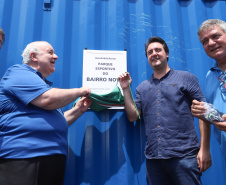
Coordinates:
[194,89]
[138,100]
[23,84]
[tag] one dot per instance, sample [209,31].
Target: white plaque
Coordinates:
[101,69]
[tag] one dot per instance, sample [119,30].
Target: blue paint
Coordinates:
[105,148]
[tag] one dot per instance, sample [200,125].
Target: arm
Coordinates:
[58,98]
[197,110]
[204,157]
[73,114]
[129,104]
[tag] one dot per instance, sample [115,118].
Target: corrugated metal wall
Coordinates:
[104,148]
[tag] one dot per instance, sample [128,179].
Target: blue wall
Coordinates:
[105,148]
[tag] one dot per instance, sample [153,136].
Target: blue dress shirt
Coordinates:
[166,108]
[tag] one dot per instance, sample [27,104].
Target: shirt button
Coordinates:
[159,139]
[158,101]
[158,113]
[158,125]
[158,90]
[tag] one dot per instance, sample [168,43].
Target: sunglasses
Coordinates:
[221,79]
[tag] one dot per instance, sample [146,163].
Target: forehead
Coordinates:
[208,32]
[154,45]
[45,47]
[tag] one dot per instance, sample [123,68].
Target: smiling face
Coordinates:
[157,57]
[213,40]
[45,59]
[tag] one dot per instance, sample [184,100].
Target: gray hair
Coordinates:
[31,48]
[211,23]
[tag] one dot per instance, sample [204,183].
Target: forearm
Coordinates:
[204,157]
[129,106]
[72,115]
[56,98]
[205,132]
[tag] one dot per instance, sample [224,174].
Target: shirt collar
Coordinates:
[38,73]
[215,67]
[166,75]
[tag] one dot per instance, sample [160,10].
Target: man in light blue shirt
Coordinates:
[212,35]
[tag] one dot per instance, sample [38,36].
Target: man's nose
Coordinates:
[211,42]
[55,56]
[154,53]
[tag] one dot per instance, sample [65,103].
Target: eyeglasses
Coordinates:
[221,79]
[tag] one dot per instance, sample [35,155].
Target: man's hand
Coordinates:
[197,109]
[123,80]
[85,91]
[221,125]
[204,160]
[83,104]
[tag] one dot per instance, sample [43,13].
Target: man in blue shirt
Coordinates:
[212,35]
[165,101]
[33,137]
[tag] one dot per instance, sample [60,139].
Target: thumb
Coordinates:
[224,117]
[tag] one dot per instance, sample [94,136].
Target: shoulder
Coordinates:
[20,74]
[184,74]
[143,84]
[18,68]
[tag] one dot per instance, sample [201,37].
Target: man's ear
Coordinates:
[33,56]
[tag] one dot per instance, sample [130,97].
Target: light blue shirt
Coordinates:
[218,99]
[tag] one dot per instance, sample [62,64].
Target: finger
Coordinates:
[224,117]
[88,102]
[198,110]
[198,161]
[195,102]
[200,107]
[220,125]
[200,166]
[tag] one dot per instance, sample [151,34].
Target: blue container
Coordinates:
[104,147]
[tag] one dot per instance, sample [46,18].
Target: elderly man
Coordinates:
[164,100]
[33,127]
[2,37]
[212,35]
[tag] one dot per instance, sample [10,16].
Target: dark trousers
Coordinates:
[175,171]
[46,170]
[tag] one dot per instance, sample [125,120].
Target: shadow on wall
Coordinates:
[115,155]
[210,3]
[132,1]
[184,3]
[159,2]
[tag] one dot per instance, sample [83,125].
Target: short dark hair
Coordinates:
[156,39]
[3,35]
